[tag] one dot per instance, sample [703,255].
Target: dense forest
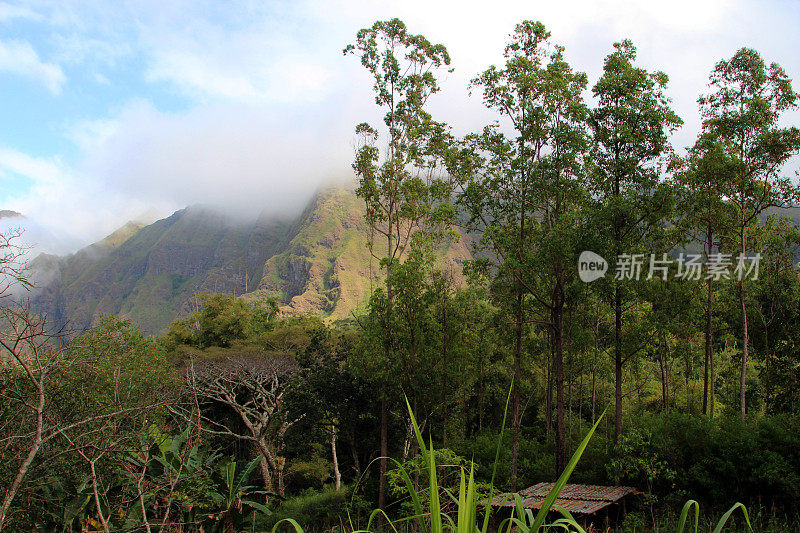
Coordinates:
[677,335]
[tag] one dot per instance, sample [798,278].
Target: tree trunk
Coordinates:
[768,363]
[383,464]
[520,319]
[558,327]
[26,463]
[594,389]
[384,454]
[745,342]
[548,400]
[140,495]
[268,467]
[354,454]
[745,336]
[709,355]
[581,376]
[408,438]
[265,475]
[516,395]
[280,463]
[96,493]
[337,476]
[662,366]
[617,364]
[711,387]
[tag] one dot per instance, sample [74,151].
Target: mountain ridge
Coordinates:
[317,262]
[8,213]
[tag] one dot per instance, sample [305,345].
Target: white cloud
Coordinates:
[76,48]
[246,157]
[20,58]
[270,103]
[10,12]
[41,171]
[63,209]
[243,55]
[195,76]
[89,134]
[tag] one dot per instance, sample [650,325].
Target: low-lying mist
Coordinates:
[244,161]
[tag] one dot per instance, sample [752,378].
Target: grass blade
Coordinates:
[436,509]
[551,497]
[435,505]
[488,510]
[292,522]
[568,520]
[685,513]
[412,492]
[727,515]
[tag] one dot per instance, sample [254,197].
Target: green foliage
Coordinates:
[322,510]
[400,186]
[234,496]
[449,468]
[637,462]
[311,472]
[741,118]
[141,433]
[178,471]
[64,504]
[220,321]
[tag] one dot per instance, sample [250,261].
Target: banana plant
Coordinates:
[234,496]
[64,503]
[176,467]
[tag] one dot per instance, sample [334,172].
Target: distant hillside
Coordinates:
[327,267]
[791,212]
[317,263]
[7,213]
[150,273]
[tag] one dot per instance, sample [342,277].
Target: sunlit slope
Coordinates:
[327,267]
[316,263]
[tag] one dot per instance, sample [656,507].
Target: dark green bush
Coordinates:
[319,511]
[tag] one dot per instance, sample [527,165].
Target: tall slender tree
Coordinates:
[631,125]
[524,194]
[742,115]
[704,215]
[400,182]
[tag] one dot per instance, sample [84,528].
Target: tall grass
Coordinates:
[465,518]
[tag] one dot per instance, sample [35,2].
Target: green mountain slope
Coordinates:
[151,275]
[327,267]
[318,263]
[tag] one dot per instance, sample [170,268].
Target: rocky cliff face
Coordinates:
[327,266]
[317,263]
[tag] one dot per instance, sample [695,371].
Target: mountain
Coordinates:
[7,213]
[791,212]
[327,267]
[317,262]
[150,273]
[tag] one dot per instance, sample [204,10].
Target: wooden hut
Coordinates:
[590,504]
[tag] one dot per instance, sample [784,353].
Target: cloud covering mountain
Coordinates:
[111,109]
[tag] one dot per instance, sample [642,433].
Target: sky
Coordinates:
[117,110]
